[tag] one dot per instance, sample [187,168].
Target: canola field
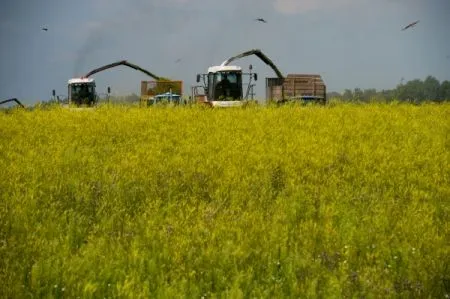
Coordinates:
[337,201]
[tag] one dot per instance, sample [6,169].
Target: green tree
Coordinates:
[444,91]
[348,95]
[358,94]
[370,94]
[431,88]
[412,91]
[387,94]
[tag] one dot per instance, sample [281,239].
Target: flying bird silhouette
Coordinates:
[261,20]
[45,29]
[410,25]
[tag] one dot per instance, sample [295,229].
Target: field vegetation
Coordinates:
[336,201]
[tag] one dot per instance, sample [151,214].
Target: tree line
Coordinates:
[415,91]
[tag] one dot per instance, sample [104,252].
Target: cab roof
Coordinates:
[80,80]
[225,68]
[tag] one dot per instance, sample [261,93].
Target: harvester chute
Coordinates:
[126,63]
[258,53]
[13,100]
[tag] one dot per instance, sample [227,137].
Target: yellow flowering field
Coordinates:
[336,201]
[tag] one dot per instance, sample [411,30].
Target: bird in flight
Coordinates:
[178,60]
[45,29]
[261,20]
[410,25]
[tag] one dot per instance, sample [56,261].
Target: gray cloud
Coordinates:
[304,6]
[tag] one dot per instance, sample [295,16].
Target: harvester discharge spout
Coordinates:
[12,100]
[126,63]
[258,53]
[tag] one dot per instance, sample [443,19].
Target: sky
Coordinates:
[350,43]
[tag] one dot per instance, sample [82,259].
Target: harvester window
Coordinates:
[227,85]
[227,77]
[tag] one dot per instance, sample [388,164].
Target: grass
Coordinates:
[343,201]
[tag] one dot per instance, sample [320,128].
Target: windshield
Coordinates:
[228,85]
[82,93]
[81,89]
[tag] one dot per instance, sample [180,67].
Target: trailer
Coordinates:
[296,87]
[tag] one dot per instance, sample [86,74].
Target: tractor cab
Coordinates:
[223,85]
[81,92]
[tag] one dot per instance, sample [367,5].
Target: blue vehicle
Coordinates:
[167,97]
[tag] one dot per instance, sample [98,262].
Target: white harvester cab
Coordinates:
[223,83]
[81,92]
[223,86]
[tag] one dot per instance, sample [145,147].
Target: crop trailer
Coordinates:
[301,87]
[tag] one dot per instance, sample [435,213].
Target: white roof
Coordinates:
[80,80]
[218,68]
